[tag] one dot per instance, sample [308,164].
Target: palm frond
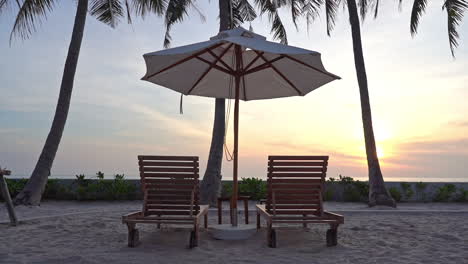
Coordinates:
[198,10]
[3,5]
[455,10]
[107,11]
[363,7]
[376,8]
[128,9]
[175,13]
[246,11]
[311,10]
[277,28]
[30,13]
[270,7]
[142,7]
[419,6]
[331,10]
[296,10]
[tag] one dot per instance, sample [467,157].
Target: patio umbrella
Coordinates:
[240,65]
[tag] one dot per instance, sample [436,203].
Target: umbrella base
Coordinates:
[229,232]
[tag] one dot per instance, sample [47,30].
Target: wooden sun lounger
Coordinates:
[170,186]
[295,185]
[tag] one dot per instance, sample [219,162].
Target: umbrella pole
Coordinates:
[235,189]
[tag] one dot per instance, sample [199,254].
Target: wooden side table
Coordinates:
[246,207]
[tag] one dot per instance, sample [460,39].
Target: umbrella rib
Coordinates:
[209,68]
[182,61]
[312,67]
[263,66]
[252,62]
[280,74]
[215,66]
[220,60]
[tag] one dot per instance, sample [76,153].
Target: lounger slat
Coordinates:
[168,186]
[325,158]
[160,192]
[148,175]
[295,186]
[190,181]
[165,163]
[297,175]
[170,212]
[296,164]
[292,212]
[293,206]
[298,169]
[175,207]
[168,201]
[295,181]
[168,169]
[146,157]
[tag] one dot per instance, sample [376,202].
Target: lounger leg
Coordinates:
[258,220]
[332,235]
[271,233]
[159,225]
[304,224]
[246,208]
[220,213]
[133,235]
[206,220]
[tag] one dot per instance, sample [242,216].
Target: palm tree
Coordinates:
[455,11]
[378,194]
[30,13]
[242,11]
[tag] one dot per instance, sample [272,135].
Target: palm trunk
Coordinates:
[378,194]
[211,185]
[32,192]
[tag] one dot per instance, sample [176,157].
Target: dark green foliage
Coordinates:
[462,195]
[328,195]
[445,193]
[14,186]
[116,189]
[253,187]
[226,191]
[420,188]
[395,193]
[354,191]
[407,190]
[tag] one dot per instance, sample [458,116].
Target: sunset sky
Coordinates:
[418,96]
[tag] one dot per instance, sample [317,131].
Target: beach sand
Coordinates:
[92,232]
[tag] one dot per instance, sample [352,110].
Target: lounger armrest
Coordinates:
[338,217]
[131,216]
[262,210]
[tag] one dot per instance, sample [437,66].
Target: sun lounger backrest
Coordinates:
[170,184]
[295,184]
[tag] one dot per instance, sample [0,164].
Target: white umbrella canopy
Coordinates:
[241,65]
[269,69]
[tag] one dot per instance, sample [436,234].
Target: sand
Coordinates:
[92,232]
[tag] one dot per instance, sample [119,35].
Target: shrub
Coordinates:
[253,187]
[226,190]
[120,189]
[407,190]
[14,186]
[395,193]
[354,191]
[462,195]
[328,195]
[444,193]
[420,188]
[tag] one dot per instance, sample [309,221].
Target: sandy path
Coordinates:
[366,237]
